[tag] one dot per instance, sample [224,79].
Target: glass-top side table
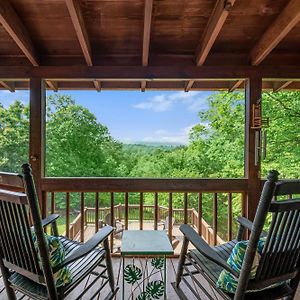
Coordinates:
[146,278]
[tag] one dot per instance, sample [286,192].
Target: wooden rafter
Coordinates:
[81,32]
[79,26]
[53,85]
[235,85]
[17,31]
[8,85]
[278,86]
[282,25]
[188,85]
[146,37]
[97,85]
[212,30]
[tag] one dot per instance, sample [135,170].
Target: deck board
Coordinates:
[171,295]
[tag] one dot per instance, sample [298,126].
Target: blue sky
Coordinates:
[133,116]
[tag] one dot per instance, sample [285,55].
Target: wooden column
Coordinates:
[37,136]
[253,93]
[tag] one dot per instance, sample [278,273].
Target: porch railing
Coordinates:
[178,196]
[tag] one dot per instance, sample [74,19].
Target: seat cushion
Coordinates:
[79,269]
[227,281]
[57,255]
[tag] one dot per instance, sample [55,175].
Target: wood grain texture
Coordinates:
[275,33]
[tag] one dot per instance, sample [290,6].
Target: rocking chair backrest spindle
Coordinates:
[17,208]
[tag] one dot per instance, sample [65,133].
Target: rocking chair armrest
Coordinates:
[87,247]
[191,235]
[50,219]
[245,223]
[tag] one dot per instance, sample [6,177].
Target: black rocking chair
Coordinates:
[279,262]
[32,275]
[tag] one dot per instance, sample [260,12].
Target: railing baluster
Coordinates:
[200,213]
[229,224]
[170,215]
[112,218]
[126,211]
[82,217]
[156,208]
[52,203]
[141,210]
[215,218]
[185,208]
[96,212]
[68,214]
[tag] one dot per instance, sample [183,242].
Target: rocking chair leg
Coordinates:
[181,261]
[109,265]
[9,291]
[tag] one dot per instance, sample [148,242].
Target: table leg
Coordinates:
[165,277]
[123,280]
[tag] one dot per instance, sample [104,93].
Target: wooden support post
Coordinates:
[253,93]
[37,136]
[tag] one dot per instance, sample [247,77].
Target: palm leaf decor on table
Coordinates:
[132,274]
[139,279]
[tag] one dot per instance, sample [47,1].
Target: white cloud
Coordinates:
[194,101]
[158,103]
[164,136]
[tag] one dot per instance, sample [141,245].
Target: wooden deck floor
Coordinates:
[171,295]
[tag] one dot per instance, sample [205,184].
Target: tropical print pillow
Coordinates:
[227,281]
[57,256]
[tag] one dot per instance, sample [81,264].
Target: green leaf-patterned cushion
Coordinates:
[229,282]
[57,256]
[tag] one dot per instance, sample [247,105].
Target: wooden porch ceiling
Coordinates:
[150,33]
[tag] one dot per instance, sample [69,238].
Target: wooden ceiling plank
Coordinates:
[8,85]
[17,31]
[80,28]
[278,86]
[235,85]
[282,25]
[213,28]
[97,85]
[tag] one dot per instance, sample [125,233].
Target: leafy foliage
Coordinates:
[157,262]
[155,289]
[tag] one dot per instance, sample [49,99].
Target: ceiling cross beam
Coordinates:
[146,37]
[278,86]
[18,32]
[211,32]
[8,85]
[275,33]
[235,85]
[81,32]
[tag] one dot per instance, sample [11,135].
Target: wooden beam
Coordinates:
[146,37]
[279,85]
[143,86]
[282,25]
[53,85]
[253,93]
[212,30]
[97,85]
[150,73]
[235,85]
[147,31]
[17,31]
[8,85]
[79,25]
[189,85]
[37,135]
